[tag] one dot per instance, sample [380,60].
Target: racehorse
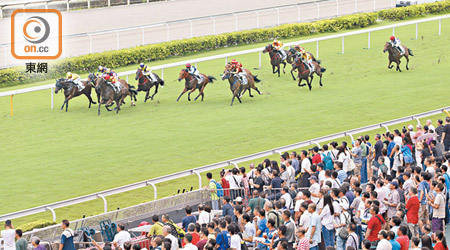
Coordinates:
[92,78]
[293,54]
[235,84]
[191,83]
[71,90]
[305,73]
[395,56]
[275,59]
[144,84]
[109,94]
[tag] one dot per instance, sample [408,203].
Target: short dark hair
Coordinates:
[127,245]
[376,209]
[239,209]
[209,175]
[382,232]
[19,232]
[188,237]
[403,229]
[136,246]
[415,240]
[283,229]
[246,217]
[188,209]
[223,223]
[8,223]
[155,218]
[352,227]
[121,226]
[271,222]
[65,222]
[227,199]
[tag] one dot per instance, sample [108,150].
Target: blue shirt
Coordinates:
[350,196]
[262,225]
[223,241]
[227,210]
[447,181]
[188,220]
[315,221]
[342,175]
[395,245]
[67,240]
[390,147]
[424,188]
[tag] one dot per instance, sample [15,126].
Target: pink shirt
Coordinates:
[303,244]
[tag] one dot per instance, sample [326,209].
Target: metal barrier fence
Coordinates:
[86,43]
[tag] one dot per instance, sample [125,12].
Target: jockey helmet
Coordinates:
[233,61]
[107,77]
[188,65]
[142,65]
[392,38]
[100,68]
[108,70]
[68,75]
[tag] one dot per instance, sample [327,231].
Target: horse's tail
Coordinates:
[255,78]
[410,52]
[323,70]
[132,90]
[211,79]
[161,82]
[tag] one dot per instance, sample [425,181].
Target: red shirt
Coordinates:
[404,242]
[440,246]
[375,225]
[316,159]
[412,205]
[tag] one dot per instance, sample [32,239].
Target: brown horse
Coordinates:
[275,59]
[109,94]
[92,78]
[191,83]
[71,90]
[236,86]
[144,84]
[292,55]
[305,73]
[395,55]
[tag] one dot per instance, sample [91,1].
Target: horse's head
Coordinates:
[92,77]
[99,82]
[58,85]
[138,74]
[268,48]
[227,71]
[387,46]
[183,74]
[291,52]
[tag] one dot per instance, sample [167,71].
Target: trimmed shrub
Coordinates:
[35,224]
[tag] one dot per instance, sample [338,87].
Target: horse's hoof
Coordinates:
[251,96]
[240,96]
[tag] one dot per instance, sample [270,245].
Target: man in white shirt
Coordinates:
[306,216]
[287,197]
[322,176]
[203,217]
[291,170]
[234,181]
[8,236]
[188,240]
[249,230]
[306,169]
[381,196]
[122,236]
[383,244]
[314,189]
[167,234]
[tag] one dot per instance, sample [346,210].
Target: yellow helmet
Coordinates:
[68,75]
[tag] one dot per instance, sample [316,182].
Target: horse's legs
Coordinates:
[99,104]
[398,66]
[273,69]
[182,93]
[257,90]
[389,65]
[64,103]
[235,94]
[320,80]
[299,81]
[156,91]
[250,92]
[407,62]
[200,93]
[242,94]
[309,83]
[67,104]
[279,69]
[90,99]
[284,67]
[146,95]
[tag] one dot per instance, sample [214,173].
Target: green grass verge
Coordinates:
[48,155]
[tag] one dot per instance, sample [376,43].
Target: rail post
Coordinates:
[109,3]
[90,43]
[105,203]
[199,179]
[155,191]
[162,73]
[68,7]
[298,13]
[368,40]
[393,31]
[417,30]
[168,31]
[191,28]
[53,213]
[143,36]
[385,127]
[11,104]
[235,22]
[343,44]
[278,16]
[52,93]
[128,2]
[1,11]
[317,49]
[214,25]
[440,23]
[89,4]
[117,37]
[226,60]
[260,59]
[257,19]
[350,135]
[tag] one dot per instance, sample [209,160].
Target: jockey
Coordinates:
[194,72]
[147,72]
[299,49]
[239,71]
[306,57]
[111,78]
[75,78]
[101,70]
[395,42]
[278,47]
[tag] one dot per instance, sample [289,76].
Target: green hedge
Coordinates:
[35,224]
[123,57]
[403,13]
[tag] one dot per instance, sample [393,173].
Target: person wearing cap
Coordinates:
[192,70]
[393,200]
[238,201]
[314,189]
[446,134]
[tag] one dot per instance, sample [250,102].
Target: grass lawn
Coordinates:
[48,155]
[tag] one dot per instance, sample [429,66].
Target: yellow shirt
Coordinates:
[75,76]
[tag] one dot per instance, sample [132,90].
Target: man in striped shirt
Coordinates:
[303,243]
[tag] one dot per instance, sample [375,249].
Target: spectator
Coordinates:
[272,214]
[316,159]
[235,183]
[227,209]
[66,237]
[285,175]
[287,198]
[35,242]
[260,222]
[393,200]
[21,243]
[439,130]
[314,189]
[222,242]
[8,236]
[249,230]
[383,244]
[290,228]
[122,236]
[441,242]
[378,147]
[224,183]
[327,218]
[188,243]
[402,238]
[203,238]
[305,169]
[204,217]
[446,134]
[356,153]
[313,233]
[188,219]
[173,240]
[303,243]
[192,230]
[213,191]
[155,230]
[374,225]
[412,214]
[438,209]
[295,162]
[415,241]
[353,239]
[235,240]
[275,186]
[424,188]
[256,201]
[391,237]
[258,181]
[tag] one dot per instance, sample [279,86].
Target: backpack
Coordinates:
[402,195]
[175,229]
[344,233]
[327,161]
[277,224]
[240,184]
[219,188]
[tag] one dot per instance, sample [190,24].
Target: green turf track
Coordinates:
[48,155]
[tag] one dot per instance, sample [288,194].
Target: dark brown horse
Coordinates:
[144,84]
[191,84]
[305,73]
[275,59]
[71,90]
[109,95]
[395,55]
[292,55]
[92,78]
[236,86]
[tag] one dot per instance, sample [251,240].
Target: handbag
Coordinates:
[351,165]
[344,233]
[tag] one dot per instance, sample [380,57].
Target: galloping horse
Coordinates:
[144,84]
[109,95]
[275,59]
[305,73]
[191,83]
[395,56]
[71,90]
[235,84]
[92,78]
[293,54]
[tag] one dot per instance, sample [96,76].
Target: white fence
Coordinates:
[86,43]
[257,50]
